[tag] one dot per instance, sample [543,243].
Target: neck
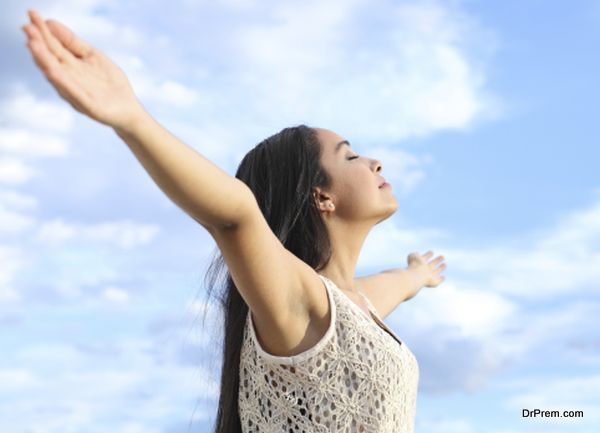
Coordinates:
[346,243]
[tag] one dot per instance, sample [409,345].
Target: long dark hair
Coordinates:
[282,172]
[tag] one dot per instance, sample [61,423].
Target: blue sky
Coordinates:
[484,115]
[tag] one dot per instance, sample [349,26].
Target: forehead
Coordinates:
[330,141]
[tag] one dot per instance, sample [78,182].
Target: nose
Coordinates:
[377,164]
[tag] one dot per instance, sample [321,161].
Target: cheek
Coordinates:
[358,192]
[355,187]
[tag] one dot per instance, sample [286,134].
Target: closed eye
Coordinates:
[352,157]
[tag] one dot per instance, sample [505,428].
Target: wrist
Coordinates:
[418,278]
[417,281]
[132,122]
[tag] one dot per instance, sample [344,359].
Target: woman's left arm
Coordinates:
[388,289]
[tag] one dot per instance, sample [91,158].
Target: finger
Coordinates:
[27,28]
[68,39]
[54,45]
[65,87]
[39,50]
[50,66]
[428,253]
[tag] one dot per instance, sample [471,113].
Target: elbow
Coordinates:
[241,204]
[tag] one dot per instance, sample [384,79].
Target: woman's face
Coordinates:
[355,191]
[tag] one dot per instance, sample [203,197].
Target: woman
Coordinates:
[305,350]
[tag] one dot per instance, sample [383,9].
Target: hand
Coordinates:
[81,74]
[427,272]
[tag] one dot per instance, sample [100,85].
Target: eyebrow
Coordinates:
[339,145]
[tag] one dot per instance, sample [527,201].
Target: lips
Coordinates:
[383,182]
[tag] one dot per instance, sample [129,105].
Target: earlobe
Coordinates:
[325,204]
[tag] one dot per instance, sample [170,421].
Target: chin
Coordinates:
[387,215]
[393,207]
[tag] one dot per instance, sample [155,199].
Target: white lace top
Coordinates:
[357,378]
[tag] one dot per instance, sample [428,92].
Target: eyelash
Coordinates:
[352,157]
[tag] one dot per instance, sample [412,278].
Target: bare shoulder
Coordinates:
[285,295]
[308,322]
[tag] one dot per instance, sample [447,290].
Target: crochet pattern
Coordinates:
[359,378]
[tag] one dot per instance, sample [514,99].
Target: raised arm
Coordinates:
[388,289]
[98,88]
[286,296]
[205,192]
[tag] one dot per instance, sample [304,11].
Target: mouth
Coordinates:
[384,184]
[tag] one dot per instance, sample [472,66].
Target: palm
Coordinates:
[98,86]
[82,75]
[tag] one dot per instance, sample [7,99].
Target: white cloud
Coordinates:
[116,295]
[382,246]
[23,110]
[122,43]
[65,262]
[215,141]
[473,313]
[458,355]
[8,294]
[123,234]
[567,326]
[31,128]
[563,259]
[13,223]
[176,94]
[18,200]
[100,389]
[411,76]
[405,171]
[68,291]
[13,261]
[17,379]
[95,28]
[32,144]
[151,88]
[55,232]
[52,355]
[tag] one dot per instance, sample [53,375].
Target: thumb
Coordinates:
[68,39]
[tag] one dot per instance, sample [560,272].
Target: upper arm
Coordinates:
[273,282]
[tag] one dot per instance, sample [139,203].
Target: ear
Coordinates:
[323,200]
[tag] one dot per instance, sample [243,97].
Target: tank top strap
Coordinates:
[371,307]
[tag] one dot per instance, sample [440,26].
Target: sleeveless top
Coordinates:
[359,378]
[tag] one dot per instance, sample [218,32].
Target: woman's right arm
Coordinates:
[98,88]
[284,294]
[204,191]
